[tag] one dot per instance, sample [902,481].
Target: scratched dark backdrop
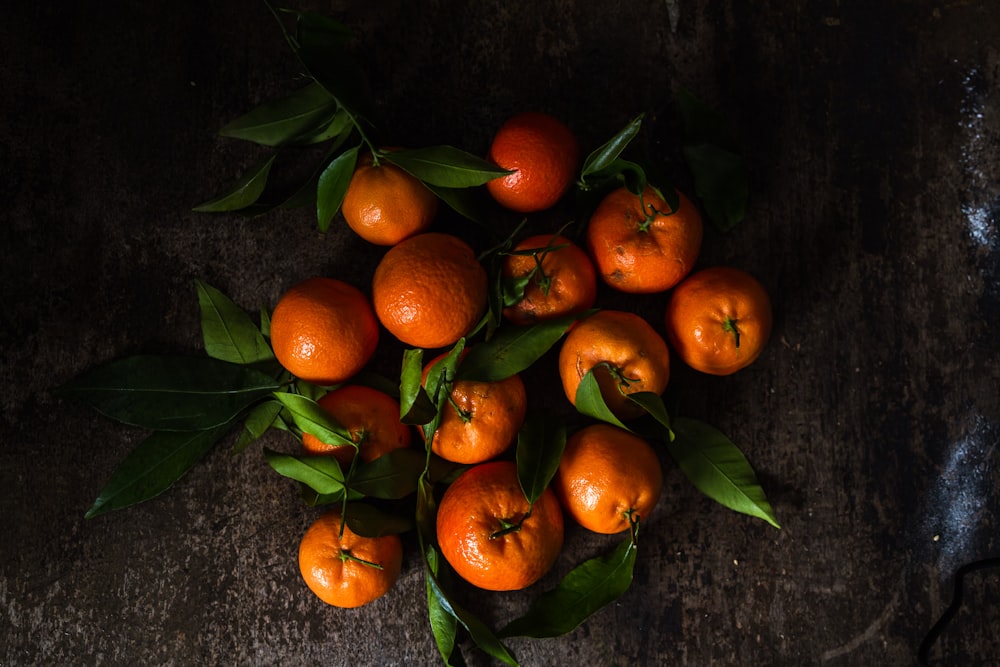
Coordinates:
[873,136]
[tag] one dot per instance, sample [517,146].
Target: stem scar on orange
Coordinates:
[430,290]
[561,279]
[345,569]
[370,416]
[638,245]
[384,204]
[719,320]
[608,478]
[544,155]
[480,420]
[627,356]
[491,536]
[323,331]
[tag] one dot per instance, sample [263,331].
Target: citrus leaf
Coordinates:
[339,127]
[716,162]
[583,591]
[721,181]
[471,203]
[478,631]
[718,468]
[653,405]
[332,186]
[321,46]
[170,393]
[153,466]
[322,474]
[540,443]
[227,331]
[444,166]
[261,417]
[440,378]
[370,521]
[305,112]
[603,158]
[590,401]
[309,416]
[244,192]
[513,349]
[391,476]
[415,407]
[444,625]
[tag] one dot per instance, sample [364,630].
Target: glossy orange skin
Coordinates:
[429,290]
[606,475]
[344,582]
[628,345]
[707,311]
[370,416]
[544,154]
[471,514]
[568,272]
[384,204]
[324,331]
[635,257]
[481,420]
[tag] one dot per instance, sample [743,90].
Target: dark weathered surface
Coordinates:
[873,131]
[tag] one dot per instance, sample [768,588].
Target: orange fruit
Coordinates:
[719,320]
[563,281]
[323,330]
[348,570]
[480,420]
[369,415]
[429,290]
[627,356]
[384,204]
[487,534]
[544,154]
[638,246]
[607,477]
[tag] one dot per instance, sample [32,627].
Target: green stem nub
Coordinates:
[729,326]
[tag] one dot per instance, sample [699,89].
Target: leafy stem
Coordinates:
[507,527]
[346,555]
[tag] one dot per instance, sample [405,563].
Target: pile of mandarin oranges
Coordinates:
[430,289]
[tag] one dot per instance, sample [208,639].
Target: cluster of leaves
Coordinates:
[189,403]
[331,114]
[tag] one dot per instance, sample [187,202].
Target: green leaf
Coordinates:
[440,378]
[714,156]
[244,192]
[261,417]
[444,625]
[590,400]
[602,159]
[653,405]
[721,181]
[718,468]
[587,588]
[228,332]
[444,166]
[332,186]
[153,466]
[540,443]
[339,127]
[478,631]
[309,416]
[391,476]
[170,393]
[513,349]
[305,112]
[370,521]
[473,204]
[320,473]
[321,46]
[415,407]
